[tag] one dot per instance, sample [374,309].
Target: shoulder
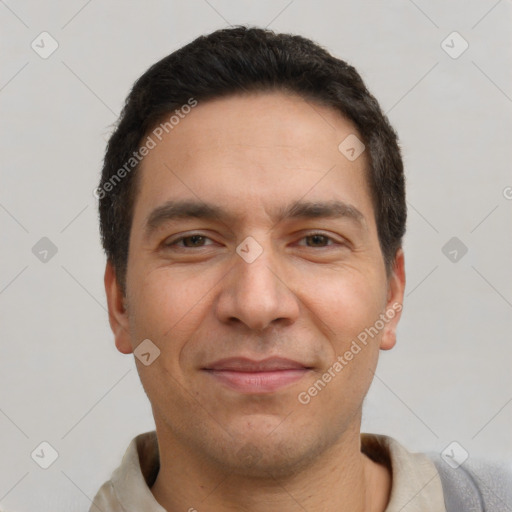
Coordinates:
[106,500]
[469,485]
[475,485]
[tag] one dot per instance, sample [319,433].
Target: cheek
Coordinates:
[167,309]
[344,309]
[166,298]
[346,300]
[165,312]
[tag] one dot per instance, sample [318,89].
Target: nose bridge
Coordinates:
[255,274]
[254,293]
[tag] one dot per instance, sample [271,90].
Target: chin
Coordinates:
[268,456]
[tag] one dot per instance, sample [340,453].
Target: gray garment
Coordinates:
[475,486]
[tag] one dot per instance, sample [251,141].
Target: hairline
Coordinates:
[255,89]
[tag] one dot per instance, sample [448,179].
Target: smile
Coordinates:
[248,376]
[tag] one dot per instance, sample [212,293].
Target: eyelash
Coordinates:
[309,235]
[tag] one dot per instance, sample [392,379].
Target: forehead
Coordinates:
[253,152]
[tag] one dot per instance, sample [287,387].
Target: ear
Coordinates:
[117,314]
[396,287]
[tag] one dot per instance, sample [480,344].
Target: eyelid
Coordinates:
[336,241]
[180,238]
[329,237]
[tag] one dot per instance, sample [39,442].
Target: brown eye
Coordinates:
[318,240]
[193,241]
[189,242]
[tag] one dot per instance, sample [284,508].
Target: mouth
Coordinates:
[249,376]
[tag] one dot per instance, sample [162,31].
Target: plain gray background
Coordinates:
[62,380]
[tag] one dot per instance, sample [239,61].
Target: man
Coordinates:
[252,208]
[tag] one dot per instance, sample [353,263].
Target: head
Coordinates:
[238,142]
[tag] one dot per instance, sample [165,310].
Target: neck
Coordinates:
[341,478]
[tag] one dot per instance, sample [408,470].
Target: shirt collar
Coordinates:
[416,485]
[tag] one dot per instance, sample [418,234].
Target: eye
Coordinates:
[319,240]
[188,242]
[197,240]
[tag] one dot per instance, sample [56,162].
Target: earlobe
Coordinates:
[388,340]
[117,313]
[396,287]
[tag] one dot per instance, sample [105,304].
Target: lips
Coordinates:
[243,364]
[250,376]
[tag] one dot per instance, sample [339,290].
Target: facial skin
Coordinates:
[303,298]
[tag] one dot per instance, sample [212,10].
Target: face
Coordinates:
[255,269]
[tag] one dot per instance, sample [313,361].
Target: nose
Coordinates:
[257,294]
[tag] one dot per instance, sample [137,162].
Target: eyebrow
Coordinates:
[193,209]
